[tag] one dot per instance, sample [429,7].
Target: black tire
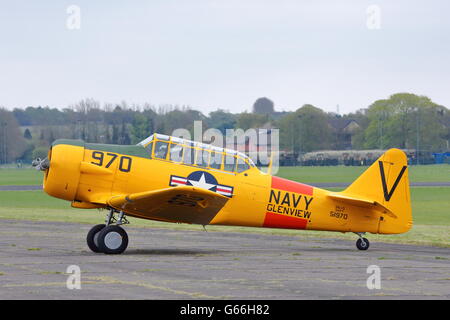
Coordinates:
[112,240]
[362,244]
[92,237]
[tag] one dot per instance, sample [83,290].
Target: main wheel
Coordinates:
[92,237]
[112,240]
[362,244]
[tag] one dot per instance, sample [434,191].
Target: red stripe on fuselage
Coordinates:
[174,180]
[291,186]
[274,220]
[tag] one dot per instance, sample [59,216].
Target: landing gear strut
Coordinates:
[109,238]
[362,243]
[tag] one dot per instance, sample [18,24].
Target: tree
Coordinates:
[263,106]
[124,135]
[221,120]
[177,119]
[141,127]
[406,121]
[40,152]
[27,134]
[246,120]
[305,130]
[12,142]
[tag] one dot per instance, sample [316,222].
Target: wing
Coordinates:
[178,204]
[360,202]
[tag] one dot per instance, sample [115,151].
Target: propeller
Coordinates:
[41,164]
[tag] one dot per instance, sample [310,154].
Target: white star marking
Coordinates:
[202,183]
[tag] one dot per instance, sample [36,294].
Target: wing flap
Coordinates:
[179,204]
[360,202]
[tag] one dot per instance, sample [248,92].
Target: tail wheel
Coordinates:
[112,240]
[92,237]
[362,244]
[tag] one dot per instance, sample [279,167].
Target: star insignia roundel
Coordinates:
[204,180]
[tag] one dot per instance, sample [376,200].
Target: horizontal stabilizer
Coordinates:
[360,202]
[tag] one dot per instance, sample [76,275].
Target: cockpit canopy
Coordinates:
[195,153]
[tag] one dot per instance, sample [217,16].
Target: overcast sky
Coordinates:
[223,53]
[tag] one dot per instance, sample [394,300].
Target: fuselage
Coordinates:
[89,174]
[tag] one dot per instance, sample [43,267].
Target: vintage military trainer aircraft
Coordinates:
[170,179]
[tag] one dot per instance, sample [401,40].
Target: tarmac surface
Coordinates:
[173,264]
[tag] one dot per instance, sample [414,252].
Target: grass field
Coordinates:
[20,177]
[431,205]
[429,173]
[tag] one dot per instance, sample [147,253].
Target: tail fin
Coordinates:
[386,182]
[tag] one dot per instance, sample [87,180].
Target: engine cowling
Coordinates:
[63,175]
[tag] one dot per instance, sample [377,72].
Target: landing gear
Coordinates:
[92,237]
[112,240]
[362,243]
[109,238]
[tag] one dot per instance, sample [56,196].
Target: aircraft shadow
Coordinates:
[168,252]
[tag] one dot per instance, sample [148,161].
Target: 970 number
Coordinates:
[124,162]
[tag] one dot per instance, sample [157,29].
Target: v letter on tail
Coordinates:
[388,194]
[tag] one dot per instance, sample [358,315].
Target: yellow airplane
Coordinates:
[170,179]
